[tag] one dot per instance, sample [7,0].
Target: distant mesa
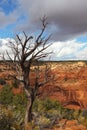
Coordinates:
[81,63]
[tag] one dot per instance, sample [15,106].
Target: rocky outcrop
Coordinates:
[76,97]
[70,86]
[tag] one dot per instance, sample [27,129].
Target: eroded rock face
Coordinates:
[70,86]
[77,97]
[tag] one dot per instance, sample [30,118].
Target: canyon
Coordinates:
[69,85]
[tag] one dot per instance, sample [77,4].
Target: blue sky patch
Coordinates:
[5,33]
[82,39]
[8,6]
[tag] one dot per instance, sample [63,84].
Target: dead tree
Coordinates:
[26,50]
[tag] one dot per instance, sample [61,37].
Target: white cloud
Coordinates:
[4,47]
[70,50]
[82,54]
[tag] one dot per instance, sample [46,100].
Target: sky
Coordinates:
[67,23]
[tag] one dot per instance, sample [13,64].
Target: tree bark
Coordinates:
[30,110]
[30,101]
[27,114]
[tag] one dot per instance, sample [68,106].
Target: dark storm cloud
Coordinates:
[68,18]
[7,20]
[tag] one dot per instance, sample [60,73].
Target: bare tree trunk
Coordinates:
[30,109]
[30,101]
[27,113]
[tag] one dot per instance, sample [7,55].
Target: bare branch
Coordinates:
[39,41]
[26,51]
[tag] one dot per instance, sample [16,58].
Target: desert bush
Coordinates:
[52,114]
[82,119]
[10,121]
[49,112]
[76,114]
[8,98]
[51,104]
[46,104]
[6,95]
[45,111]
[53,111]
[16,104]
[79,115]
[20,101]
[84,113]
[43,122]
[67,113]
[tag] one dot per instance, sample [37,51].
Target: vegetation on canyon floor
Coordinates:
[46,113]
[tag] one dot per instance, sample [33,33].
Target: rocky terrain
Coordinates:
[69,86]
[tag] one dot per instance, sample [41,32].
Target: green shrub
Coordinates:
[12,109]
[8,98]
[76,114]
[6,95]
[10,121]
[46,104]
[82,118]
[84,113]
[51,104]
[45,111]
[20,101]
[51,114]
[43,122]
[67,113]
